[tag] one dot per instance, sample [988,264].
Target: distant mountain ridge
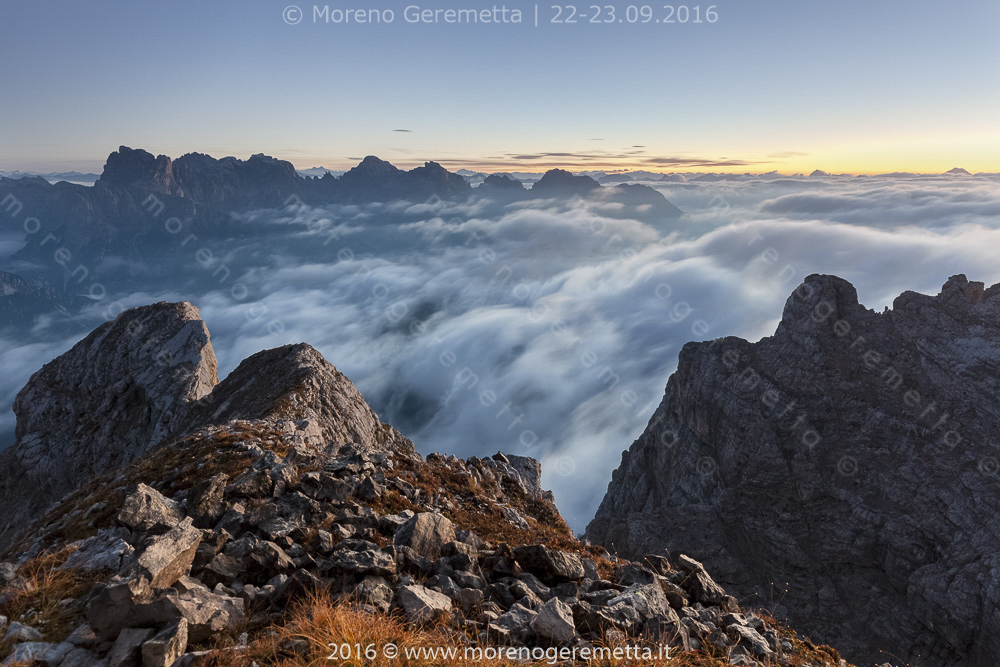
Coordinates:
[77,237]
[204,192]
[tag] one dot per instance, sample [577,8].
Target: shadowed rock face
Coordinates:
[843,471]
[117,393]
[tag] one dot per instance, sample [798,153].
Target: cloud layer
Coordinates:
[549,329]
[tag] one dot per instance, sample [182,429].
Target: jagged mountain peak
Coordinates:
[561,182]
[296,382]
[131,167]
[373,165]
[850,452]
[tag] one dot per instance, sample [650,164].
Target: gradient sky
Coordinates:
[847,86]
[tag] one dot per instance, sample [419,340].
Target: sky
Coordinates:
[848,87]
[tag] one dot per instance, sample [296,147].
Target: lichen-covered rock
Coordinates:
[146,509]
[549,565]
[167,557]
[105,551]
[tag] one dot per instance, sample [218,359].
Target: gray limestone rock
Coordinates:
[843,470]
[115,395]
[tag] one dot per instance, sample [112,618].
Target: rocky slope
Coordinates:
[842,471]
[21,301]
[281,489]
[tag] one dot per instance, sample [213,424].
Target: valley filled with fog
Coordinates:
[542,327]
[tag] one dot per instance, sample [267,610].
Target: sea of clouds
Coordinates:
[549,328]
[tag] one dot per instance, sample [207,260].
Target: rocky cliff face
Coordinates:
[277,498]
[119,392]
[842,471]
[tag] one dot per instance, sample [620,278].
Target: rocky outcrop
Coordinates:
[377,180]
[842,472]
[150,375]
[179,589]
[116,394]
[130,167]
[296,383]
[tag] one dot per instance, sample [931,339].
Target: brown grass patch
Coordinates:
[38,603]
[169,468]
[318,621]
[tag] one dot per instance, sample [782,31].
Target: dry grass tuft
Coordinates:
[318,621]
[42,601]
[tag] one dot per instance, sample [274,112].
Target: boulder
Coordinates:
[422,605]
[549,565]
[112,607]
[554,622]
[667,629]
[362,562]
[127,649]
[43,653]
[19,632]
[224,568]
[375,591]
[105,551]
[703,588]
[167,557]
[206,613]
[514,625]
[205,501]
[426,533]
[147,509]
[268,559]
[81,657]
[84,636]
[167,645]
[647,599]
[470,599]
[750,639]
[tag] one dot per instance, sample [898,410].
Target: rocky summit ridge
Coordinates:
[175,521]
[842,472]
